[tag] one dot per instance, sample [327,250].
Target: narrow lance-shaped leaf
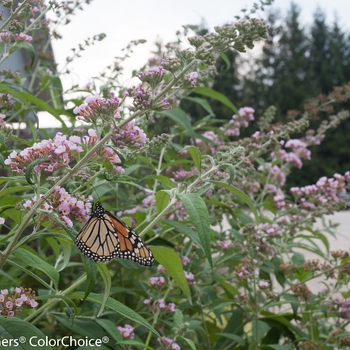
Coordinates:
[118,307]
[205,91]
[38,263]
[26,46]
[240,194]
[18,333]
[172,264]
[106,277]
[180,118]
[162,200]
[196,156]
[91,274]
[199,215]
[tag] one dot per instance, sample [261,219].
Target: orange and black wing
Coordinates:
[105,237]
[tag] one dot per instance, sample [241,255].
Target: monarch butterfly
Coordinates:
[105,237]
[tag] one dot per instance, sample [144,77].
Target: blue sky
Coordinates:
[123,21]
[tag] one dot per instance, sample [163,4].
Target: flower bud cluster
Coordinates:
[11,303]
[153,76]
[95,107]
[143,100]
[129,135]
[55,154]
[66,206]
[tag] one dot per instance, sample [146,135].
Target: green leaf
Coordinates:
[166,182]
[162,200]
[30,168]
[13,329]
[30,273]
[178,318]
[208,92]
[26,46]
[204,103]
[196,156]
[110,327]
[180,118]
[239,340]
[38,263]
[172,264]
[106,277]
[14,189]
[199,215]
[118,307]
[91,274]
[224,57]
[240,194]
[189,342]
[186,230]
[259,329]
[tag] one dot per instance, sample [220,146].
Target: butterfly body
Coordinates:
[105,237]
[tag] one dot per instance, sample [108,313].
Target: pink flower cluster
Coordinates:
[190,278]
[96,106]
[5,37]
[10,304]
[143,100]
[157,281]
[278,198]
[153,76]
[127,332]
[272,230]
[226,244]
[65,205]
[169,343]
[2,121]
[275,173]
[189,81]
[242,119]
[24,37]
[129,135]
[326,190]
[344,305]
[299,152]
[55,153]
[106,153]
[160,304]
[183,174]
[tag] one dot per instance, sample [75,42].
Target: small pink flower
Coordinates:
[68,221]
[127,332]
[18,302]
[263,284]
[157,281]
[161,268]
[161,303]
[147,302]
[190,278]
[226,244]
[33,303]
[185,260]
[171,307]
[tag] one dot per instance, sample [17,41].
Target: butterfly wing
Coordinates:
[105,237]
